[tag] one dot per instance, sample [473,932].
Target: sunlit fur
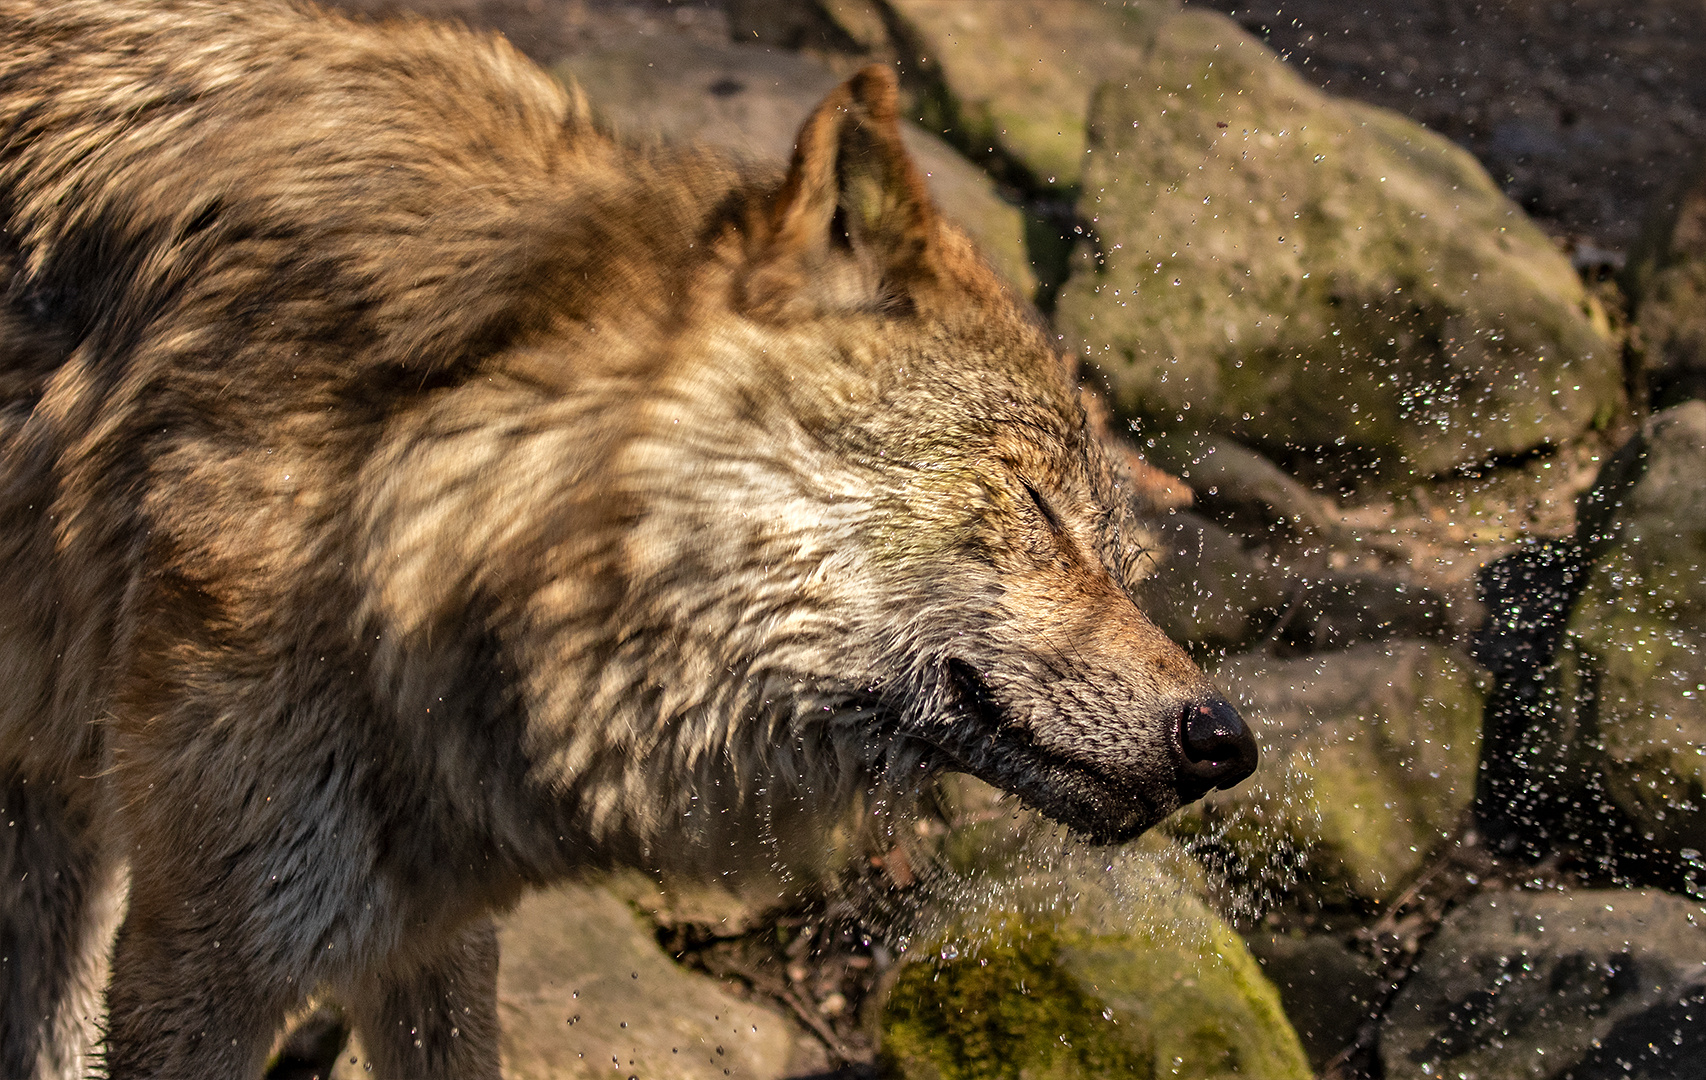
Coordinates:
[409,494]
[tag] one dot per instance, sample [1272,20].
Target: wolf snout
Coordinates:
[1216,748]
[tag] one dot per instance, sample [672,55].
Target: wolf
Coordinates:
[410,493]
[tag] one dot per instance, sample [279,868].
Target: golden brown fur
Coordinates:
[408,494]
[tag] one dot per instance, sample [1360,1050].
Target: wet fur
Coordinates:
[409,494]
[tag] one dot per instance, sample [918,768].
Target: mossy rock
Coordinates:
[1369,759]
[1116,970]
[1632,673]
[1012,81]
[1013,1010]
[1182,998]
[1301,271]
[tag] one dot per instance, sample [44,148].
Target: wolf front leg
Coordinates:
[437,1015]
[59,892]
[187,997]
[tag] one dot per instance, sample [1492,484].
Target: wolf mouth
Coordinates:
[990,744]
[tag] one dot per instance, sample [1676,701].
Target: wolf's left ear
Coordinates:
[852,226]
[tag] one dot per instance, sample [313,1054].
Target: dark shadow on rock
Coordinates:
[1531,801]
[1327,987]
[1665,1042]
[1336,610]
[1528,595]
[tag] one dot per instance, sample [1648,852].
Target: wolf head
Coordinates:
[913,536]
[796,503]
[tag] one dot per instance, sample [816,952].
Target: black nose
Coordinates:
[1218,750]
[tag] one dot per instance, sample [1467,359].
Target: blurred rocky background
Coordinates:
[1410,300]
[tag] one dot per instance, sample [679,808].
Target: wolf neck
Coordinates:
[691,537]
[738,533]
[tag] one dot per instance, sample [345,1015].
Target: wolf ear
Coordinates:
[852,226]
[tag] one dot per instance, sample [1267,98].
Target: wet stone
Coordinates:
[1122,971]
[1542,985]
[1368,763]
[1631,672]
[1299,271]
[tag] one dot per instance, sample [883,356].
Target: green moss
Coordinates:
[1197,994]
[1009,1013]
[1147,983]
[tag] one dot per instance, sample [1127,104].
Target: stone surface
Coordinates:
[584,991]
[1540,985]
[752,100]
[1014,79]
[1300,271]
[1207,591]
[1245,490]
[1666,282]
[1368,760]
[653,86]
[1327,988]
[1631,674]
[835,26]
[1141,980]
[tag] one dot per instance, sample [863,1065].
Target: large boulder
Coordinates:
[1587,985]
[1303,271]
[752,100]
[1118,969]
[1368,761]
[1631,673]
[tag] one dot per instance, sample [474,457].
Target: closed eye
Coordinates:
[1047,511]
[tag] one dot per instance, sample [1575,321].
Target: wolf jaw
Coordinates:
[995,748]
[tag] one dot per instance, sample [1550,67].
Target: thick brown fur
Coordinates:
[409,494]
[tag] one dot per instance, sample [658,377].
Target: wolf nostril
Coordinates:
[1218,748]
